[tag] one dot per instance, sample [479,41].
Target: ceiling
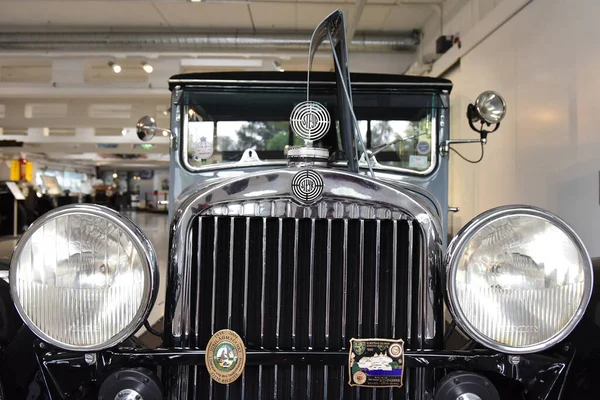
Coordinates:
[61,99]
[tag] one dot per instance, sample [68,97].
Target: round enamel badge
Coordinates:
[225,356]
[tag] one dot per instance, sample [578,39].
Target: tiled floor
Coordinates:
[156,228]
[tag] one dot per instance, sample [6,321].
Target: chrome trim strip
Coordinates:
[326,380]
[140,242]
[260,374]
[361,274]
[394,275]
[295,284]
[311,277]
[230,291]
[280,238]
[264,280]
[214,278]
[421,293]
[377,267]
[308,380]
[246,267]
[345,282]
[409,294]
[197,322]
[328,290]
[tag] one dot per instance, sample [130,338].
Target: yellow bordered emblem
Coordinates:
[225,356]
[376,363]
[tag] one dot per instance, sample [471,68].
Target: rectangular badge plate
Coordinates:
[376,363]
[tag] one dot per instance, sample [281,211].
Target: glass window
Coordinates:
[218,125]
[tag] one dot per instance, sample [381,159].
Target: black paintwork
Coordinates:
[535,376]
[259,78]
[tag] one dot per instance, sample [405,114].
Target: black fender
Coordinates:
[583,380]
[18,362]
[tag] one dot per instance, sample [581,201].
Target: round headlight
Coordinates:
[518,279]
[83,277]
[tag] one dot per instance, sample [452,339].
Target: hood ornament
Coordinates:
[311,120]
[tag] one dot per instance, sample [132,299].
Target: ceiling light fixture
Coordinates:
[147,67]
[115,67]
[277,66]
[115,175]
[124,131]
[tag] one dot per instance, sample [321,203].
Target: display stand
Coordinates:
[18,195]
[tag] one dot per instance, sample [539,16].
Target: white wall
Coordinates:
[545,62]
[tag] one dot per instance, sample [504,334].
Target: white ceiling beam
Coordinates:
[83,90]
[68,71]
[357,12]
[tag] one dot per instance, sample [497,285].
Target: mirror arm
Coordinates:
[445,145]
[155,128]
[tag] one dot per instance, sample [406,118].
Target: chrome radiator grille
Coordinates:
[310,284]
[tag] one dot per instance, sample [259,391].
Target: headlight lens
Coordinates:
[518,279]
[83,277]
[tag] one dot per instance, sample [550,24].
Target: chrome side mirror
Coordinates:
[489,109]
[146,128]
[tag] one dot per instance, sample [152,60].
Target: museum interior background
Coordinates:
[67,119]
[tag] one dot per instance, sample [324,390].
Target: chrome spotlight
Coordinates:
[489,109]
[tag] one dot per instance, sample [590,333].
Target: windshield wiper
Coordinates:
[384,146]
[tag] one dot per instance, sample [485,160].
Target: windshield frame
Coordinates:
[439,109]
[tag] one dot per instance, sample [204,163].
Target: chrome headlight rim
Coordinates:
[463,237]
[139,240]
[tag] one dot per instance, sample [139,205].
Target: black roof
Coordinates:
[275,78]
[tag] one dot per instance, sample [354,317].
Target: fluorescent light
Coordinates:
[147,67]
[221,62]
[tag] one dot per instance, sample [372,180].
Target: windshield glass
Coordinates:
[218,126]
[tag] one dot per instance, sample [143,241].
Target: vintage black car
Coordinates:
[308,259]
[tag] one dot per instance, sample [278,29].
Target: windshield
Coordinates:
[399,127]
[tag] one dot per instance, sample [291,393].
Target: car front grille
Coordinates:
[299,284]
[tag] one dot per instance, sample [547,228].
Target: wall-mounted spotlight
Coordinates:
[115,67]
[147,67]
[277,66]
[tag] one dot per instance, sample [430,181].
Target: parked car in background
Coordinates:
[308,259]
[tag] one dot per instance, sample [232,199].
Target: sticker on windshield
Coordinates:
[201,139]
[423,147]
[419,162]
[376,362]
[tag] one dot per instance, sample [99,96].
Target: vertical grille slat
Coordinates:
[361,282]
[214,275]
[263,283]
[198,282]
[377,289]
[279,279]
[328,290]
[301,284]
[230,288]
